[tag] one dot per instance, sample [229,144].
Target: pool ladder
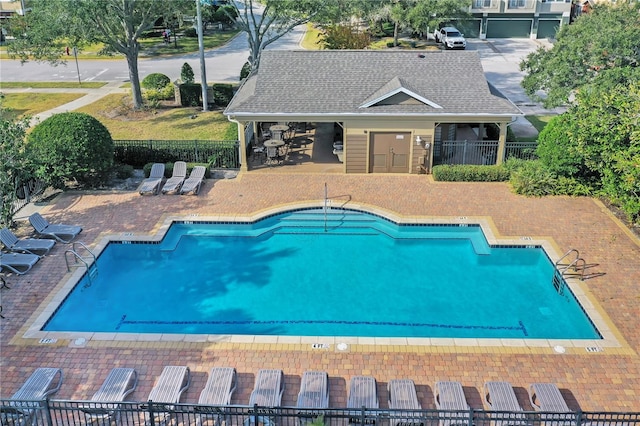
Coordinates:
[88,261]
[565,268]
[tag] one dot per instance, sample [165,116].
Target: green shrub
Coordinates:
[156,81]
[162,94]
[191,32]
[190,94]
[186,74]
[391,44]
[71,146]
[222,94]
[533,179]
[123,171]
[470,173]
[245,71]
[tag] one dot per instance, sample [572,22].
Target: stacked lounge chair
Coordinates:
[151,185]
[174,183]
[119,383]
[450,396]
[194,181]
[171,384]
[42,383]
[18,263]
[499,396]
[25,245]
[60,233]
[217,391]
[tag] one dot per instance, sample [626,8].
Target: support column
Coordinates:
[244,167]
[502,140]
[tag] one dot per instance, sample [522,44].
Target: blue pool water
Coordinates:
[358,275]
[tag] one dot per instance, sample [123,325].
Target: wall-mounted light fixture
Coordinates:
[423,143]
[418,140]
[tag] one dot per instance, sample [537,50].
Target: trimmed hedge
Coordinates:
[156,81]
[470,173]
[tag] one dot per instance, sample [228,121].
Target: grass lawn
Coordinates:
[51,85]
[22,104]
[165,122]
[311,38]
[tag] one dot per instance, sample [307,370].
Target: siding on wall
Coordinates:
[356,154]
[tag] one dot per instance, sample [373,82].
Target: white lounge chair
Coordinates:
[267,392]
[119,383]
[449,396]
[173,381]
[174,183]
[499,396]
[194,181]
[61,233]
[217,392]
[546,397]
[25,245]
[151,185]
[314,390]
[363,392]
[42,383]
[403,396]
[18,263]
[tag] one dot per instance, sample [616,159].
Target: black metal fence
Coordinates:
[480,152]
[221,154]
[28,192]
[63,412]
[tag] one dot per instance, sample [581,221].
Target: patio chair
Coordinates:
[449,396]
[151,185]
[499,396]
[403,396]
[60,233]
[363,392]
[217,391]
[18,263]
[174,183]
[314,390]
[25,245]
[194,181]
[267,392]
[119,383]
[546,397]
[173,381]
[42,383]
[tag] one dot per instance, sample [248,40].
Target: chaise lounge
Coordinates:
[119,383]
[174,183]
[499,396]
[403,396]
[194,181]
[61,233]
[171,384]
[217,391]
[449,396]
[18,263]
[151,185]
[546,397]
[363,392]
[25,245]
[267,392]
[25,405]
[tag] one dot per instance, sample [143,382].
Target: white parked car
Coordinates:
[450,37]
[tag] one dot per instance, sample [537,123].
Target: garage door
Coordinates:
[548,28]
[509,28]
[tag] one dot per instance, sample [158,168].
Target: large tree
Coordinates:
[604,39]
[54,25]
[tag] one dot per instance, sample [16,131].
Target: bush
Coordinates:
[190,32]
[155,81]
[162,94]
[222,94]
[186,74]
[190,94]
[123,171]
[245,71]
[533,179]
[71,146]
[470,173]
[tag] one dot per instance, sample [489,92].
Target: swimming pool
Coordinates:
[311,273]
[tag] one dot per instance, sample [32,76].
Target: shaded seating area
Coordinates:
[151,185]
[59,232]
[119,383]
[174,183]
[42,383]
[18,263]
[35,246]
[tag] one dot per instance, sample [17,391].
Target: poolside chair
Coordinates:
[174,183]
[18,263]
[546,397]
[314,390]
[119,383]
[25,245]
[403,396]
[217,391]
[173,381]
[499,396]
[363,392]
[267,392]
[151,185]
[194,181]
[449,396]
[42,383]
[61,233]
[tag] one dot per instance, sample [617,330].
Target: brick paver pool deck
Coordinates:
[592,381]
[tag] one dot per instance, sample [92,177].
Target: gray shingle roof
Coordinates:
[341,81]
